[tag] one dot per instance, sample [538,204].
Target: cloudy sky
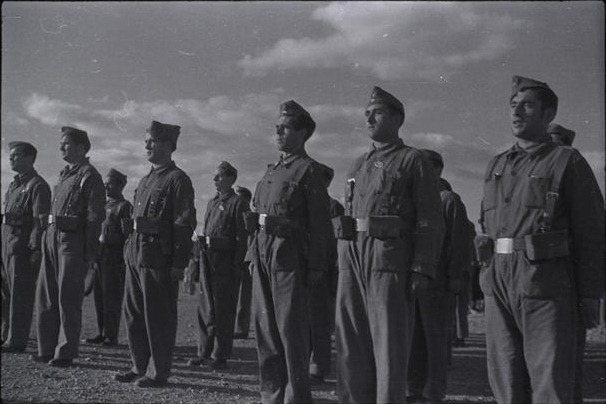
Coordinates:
[220,71]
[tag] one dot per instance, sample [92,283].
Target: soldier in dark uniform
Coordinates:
[245,290]
[109,269]
[156,254]
[223,247]
[542,214]
[69,247]
[26,209]
[427,369]
[389,241]
[288,253]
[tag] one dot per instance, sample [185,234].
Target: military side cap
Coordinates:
[117,175]
[227,169]
[433,156]
[77,135]
[380,96]
[566,135]
[519,83]
[27,148]
[164,132]
[291,108]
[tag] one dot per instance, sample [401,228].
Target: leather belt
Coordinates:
[362,224]
[509,245]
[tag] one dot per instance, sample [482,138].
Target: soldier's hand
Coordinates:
[418,283]
[590,311]
[251,269]
[454,285]
[176,274]
[315,277]
[35,258]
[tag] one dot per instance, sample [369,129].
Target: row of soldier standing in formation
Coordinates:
[398,244]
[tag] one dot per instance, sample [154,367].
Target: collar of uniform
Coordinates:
[532,151]
[225,195]
[385,149]
[288,160]
[161,169]
[68,171]
[22,178]
[113,200]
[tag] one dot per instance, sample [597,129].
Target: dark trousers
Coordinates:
[322,322]
[530,341]
[19,293]
[281,319]
[150,311]
[217,302]
[427,367]
[461,306]
[59,294]
[374,324]
[244,303]
[108,293]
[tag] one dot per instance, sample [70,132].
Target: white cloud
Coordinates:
[50,111]
[394,40]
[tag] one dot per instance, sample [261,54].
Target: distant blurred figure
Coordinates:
[26,209]
[242,325]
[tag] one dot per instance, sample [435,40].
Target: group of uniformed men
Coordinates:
[393,258]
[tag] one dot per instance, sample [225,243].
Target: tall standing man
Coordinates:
[242,325]
[108,289]
[389,243]
[427,370]
[69,247]
[156,254]
[223,247]
[543,214]
[26,209]
[288,253]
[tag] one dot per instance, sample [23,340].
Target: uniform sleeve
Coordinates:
[457,236]
[320,226]
[585,209]
[241,233]
[126,212]
[430,221]
[183,221]
[41,201]
[93,192]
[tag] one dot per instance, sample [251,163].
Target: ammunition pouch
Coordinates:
[544,246]
[484,248]
[384,227]
[67,223]
[251,221]
[279,226]
[14,219]
[344,227]
[216,243]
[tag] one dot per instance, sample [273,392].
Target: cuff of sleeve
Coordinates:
[424,268]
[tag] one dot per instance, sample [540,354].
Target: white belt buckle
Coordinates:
[504,246]
[362,224]
[207,240]
[51,219]
[262,217]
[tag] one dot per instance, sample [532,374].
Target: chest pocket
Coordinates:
[157,202]
[490,193]
[534,191]
[285,193]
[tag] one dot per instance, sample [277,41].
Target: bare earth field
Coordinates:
[90,380]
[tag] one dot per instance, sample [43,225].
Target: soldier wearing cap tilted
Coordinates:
[69,247]
[434,311]
[222,250]
[542,215]
[388,248]
[242,325]
[108,283]
[156,254]
[26,209]
[288,253]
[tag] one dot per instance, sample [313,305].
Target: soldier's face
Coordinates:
[289,139]
[113,187]
[529,120]
[19,161]
[381,122]
[70,151]
[222,182]
[157,151]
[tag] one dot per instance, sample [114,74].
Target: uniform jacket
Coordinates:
[28,196]
[166,193]
[80,192]
[113,235]
[398,180]
[515,189]
[295,188]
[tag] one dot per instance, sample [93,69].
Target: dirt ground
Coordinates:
[90,380]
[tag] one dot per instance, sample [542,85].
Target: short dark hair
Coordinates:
[303,122]
[396,111]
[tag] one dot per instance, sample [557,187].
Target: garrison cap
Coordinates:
[244,193]
[228,169]
[519,83]
[433,156]
[77,135]
[566,136]
[380,96]
[291,108]
[164,132]
[117,175]
[27,148]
